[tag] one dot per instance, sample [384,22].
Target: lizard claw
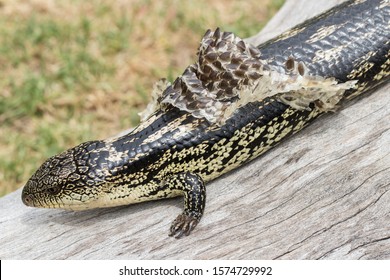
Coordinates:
[183,225]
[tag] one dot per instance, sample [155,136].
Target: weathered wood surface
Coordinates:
[322,194]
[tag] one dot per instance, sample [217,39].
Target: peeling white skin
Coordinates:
[229,74]
[294,90]
[158,89]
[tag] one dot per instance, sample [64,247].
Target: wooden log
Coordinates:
[322,194]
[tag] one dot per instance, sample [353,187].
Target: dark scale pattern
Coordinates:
[347,44]
[173,153]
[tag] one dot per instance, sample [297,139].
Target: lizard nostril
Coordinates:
[27,199]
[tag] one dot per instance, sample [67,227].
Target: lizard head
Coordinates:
[67,180]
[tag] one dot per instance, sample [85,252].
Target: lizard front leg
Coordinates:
[194,193]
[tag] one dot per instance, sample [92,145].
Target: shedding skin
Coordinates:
[230,73]
[232,105]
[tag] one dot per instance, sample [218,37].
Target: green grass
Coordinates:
[81,70]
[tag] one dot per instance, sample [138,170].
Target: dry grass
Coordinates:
[78,70]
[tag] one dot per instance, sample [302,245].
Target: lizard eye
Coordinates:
[53,190]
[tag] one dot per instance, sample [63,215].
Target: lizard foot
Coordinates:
[183,225]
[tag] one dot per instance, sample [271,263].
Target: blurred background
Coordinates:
[73,70]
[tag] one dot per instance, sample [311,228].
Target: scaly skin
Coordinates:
[173,153]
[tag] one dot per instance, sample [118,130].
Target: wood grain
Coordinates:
[322,194]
